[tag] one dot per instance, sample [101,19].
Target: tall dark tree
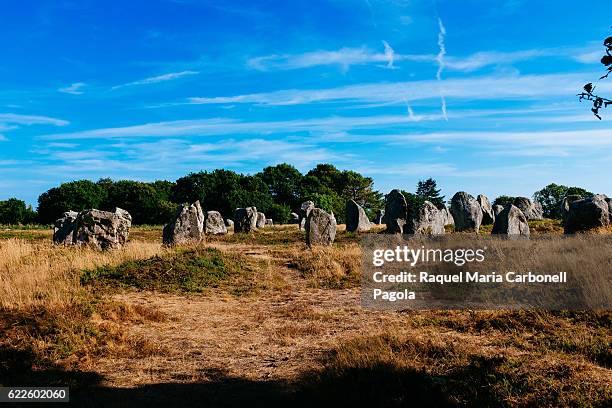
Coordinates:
[428,191]
[75,195]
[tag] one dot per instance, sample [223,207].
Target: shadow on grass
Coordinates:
[378,386]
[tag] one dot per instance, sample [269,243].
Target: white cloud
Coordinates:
[222,126]
[389,53]
[492,87]
[348,56]
[441,63]
[344,57]
[30,120]
[74,89]
[160,78]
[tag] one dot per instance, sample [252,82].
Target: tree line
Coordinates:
[276,190]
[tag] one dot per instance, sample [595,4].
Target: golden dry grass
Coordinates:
[301,328]
[329,267]
[36,273]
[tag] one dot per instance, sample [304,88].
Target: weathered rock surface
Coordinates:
[356,218]
[565,204]
[447,216]
[320,227]
[63,232]
[269,222]
[294,218]
[512,222]
[261,220]
[532,211]
[229,222]
[609,200]
[497,209]
[305,209]
[380,214]
[103,229]
[466,212]
[187,226]
[426,220]
[488,215]
[214,224]
[245,219]
[588,213]
[395,212]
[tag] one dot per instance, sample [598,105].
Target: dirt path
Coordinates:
[274,335]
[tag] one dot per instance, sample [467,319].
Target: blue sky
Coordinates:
[477,94]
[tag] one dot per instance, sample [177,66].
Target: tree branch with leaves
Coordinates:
[588,92]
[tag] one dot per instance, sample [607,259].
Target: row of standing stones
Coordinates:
[110,230]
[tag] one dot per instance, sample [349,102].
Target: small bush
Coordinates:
[189,270]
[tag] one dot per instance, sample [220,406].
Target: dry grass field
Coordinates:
[260,320]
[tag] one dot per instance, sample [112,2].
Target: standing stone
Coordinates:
[63,232]
[320,227]
[294,218]
[356,218]
[466,212]
[187,226]
[426,220]
[380,214]
[229,223]
[565,204]
[488,216]
[305,209]
[609,200]
[214,224]
[245,219]
[269,222]
[395,212]
[103,229]
[261,220]
[512,222]
[447,216]
[497,209]
[588,213]
[532,211]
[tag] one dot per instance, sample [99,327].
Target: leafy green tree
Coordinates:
[280,213]
[14,211]
[427,190]
[143,201]
[356,187]
[75,195]
[223,191]
[283,181]
[551,197]
[503,200]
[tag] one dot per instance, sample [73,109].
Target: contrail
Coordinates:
[389,54]
[440,61]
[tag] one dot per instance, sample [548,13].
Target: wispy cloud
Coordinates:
[348,56]
[31,120]
[73,89]
[223,126]
[157,79]
[344,57]
[491,87]
[441,63]
[389,53]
